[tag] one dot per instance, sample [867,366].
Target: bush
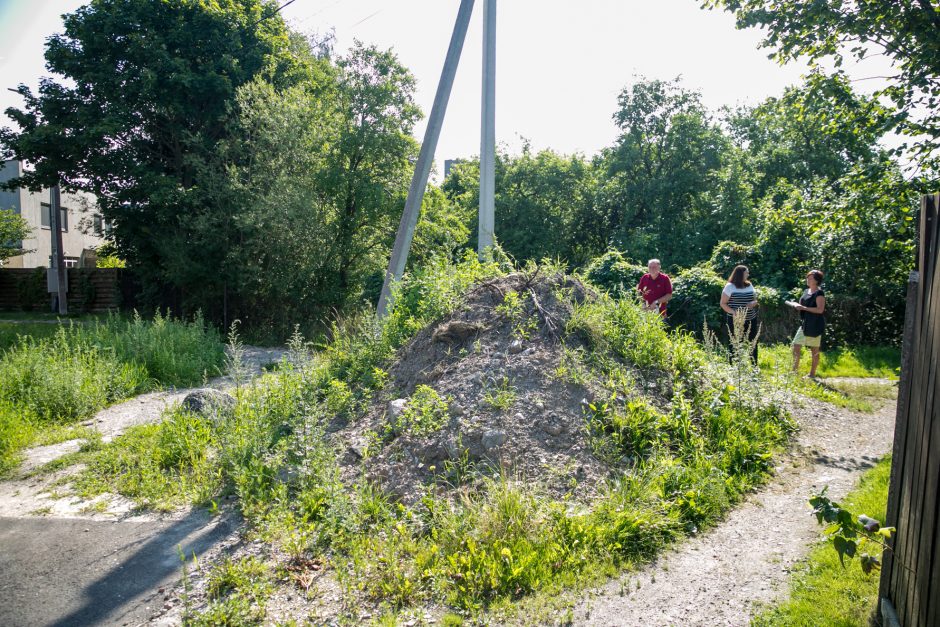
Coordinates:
[613,273]
[697,293]
[726,255]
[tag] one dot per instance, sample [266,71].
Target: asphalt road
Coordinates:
[73,572]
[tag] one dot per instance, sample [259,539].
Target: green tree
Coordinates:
[13,230]
[907,32]
[672,185]
[317,176]
[820,129]
[143,101]
[543,200]
[369,162]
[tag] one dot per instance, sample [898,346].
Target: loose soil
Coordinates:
[467,358]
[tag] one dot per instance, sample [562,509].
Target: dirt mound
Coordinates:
[478,393]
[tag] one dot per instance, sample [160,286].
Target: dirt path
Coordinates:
[721,577]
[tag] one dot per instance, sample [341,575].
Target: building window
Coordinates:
[45,213]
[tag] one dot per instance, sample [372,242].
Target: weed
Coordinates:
[513,309]
[426,413]
[499,395]
[238,593]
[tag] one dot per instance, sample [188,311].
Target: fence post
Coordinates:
[900,431]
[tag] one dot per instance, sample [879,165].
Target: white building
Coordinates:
[81,224]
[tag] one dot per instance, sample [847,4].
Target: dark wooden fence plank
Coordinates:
[932,354]
[911,577]
[104,282]
[901,424]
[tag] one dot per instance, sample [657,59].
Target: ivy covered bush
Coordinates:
[697,294]
[614,273]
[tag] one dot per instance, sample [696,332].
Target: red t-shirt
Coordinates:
[654,289]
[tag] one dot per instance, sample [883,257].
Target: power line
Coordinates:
[367,18]
[316,13]
[276,11]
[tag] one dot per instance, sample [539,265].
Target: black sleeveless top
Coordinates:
[813,323]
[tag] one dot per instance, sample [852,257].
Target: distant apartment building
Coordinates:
[82,227]
[449,165]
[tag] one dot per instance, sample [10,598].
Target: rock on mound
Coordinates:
[479,392]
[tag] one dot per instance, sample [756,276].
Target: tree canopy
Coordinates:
[252,173]
[906,32]
[13,230]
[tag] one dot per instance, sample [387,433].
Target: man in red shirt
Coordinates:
[655,288]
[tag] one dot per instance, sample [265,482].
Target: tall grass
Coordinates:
[66,377]
[79,369]
[10,333]
[173,352]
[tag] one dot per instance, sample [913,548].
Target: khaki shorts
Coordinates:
[808,342]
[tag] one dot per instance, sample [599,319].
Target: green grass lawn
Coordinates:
[823,593]
[861,361]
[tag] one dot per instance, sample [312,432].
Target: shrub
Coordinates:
[726,255]
[613,273]
[697,293]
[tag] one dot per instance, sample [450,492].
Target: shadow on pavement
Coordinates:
[68,572]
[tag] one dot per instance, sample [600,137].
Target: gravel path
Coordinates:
[721,577]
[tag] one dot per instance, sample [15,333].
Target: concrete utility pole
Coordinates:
[488,131]
[58,258]
[419,182]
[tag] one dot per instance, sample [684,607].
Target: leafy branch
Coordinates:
[850,534]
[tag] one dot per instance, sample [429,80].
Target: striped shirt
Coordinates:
[739,297]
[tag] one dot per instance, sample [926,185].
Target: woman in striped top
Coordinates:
[739,295]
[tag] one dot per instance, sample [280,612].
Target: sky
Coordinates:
[560,64]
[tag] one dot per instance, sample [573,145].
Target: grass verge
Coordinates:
[861,361]
[63,374]
[824,592]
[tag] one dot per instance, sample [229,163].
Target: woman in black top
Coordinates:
[812,307]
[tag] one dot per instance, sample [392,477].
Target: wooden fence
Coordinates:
[910,578]
[90,290]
